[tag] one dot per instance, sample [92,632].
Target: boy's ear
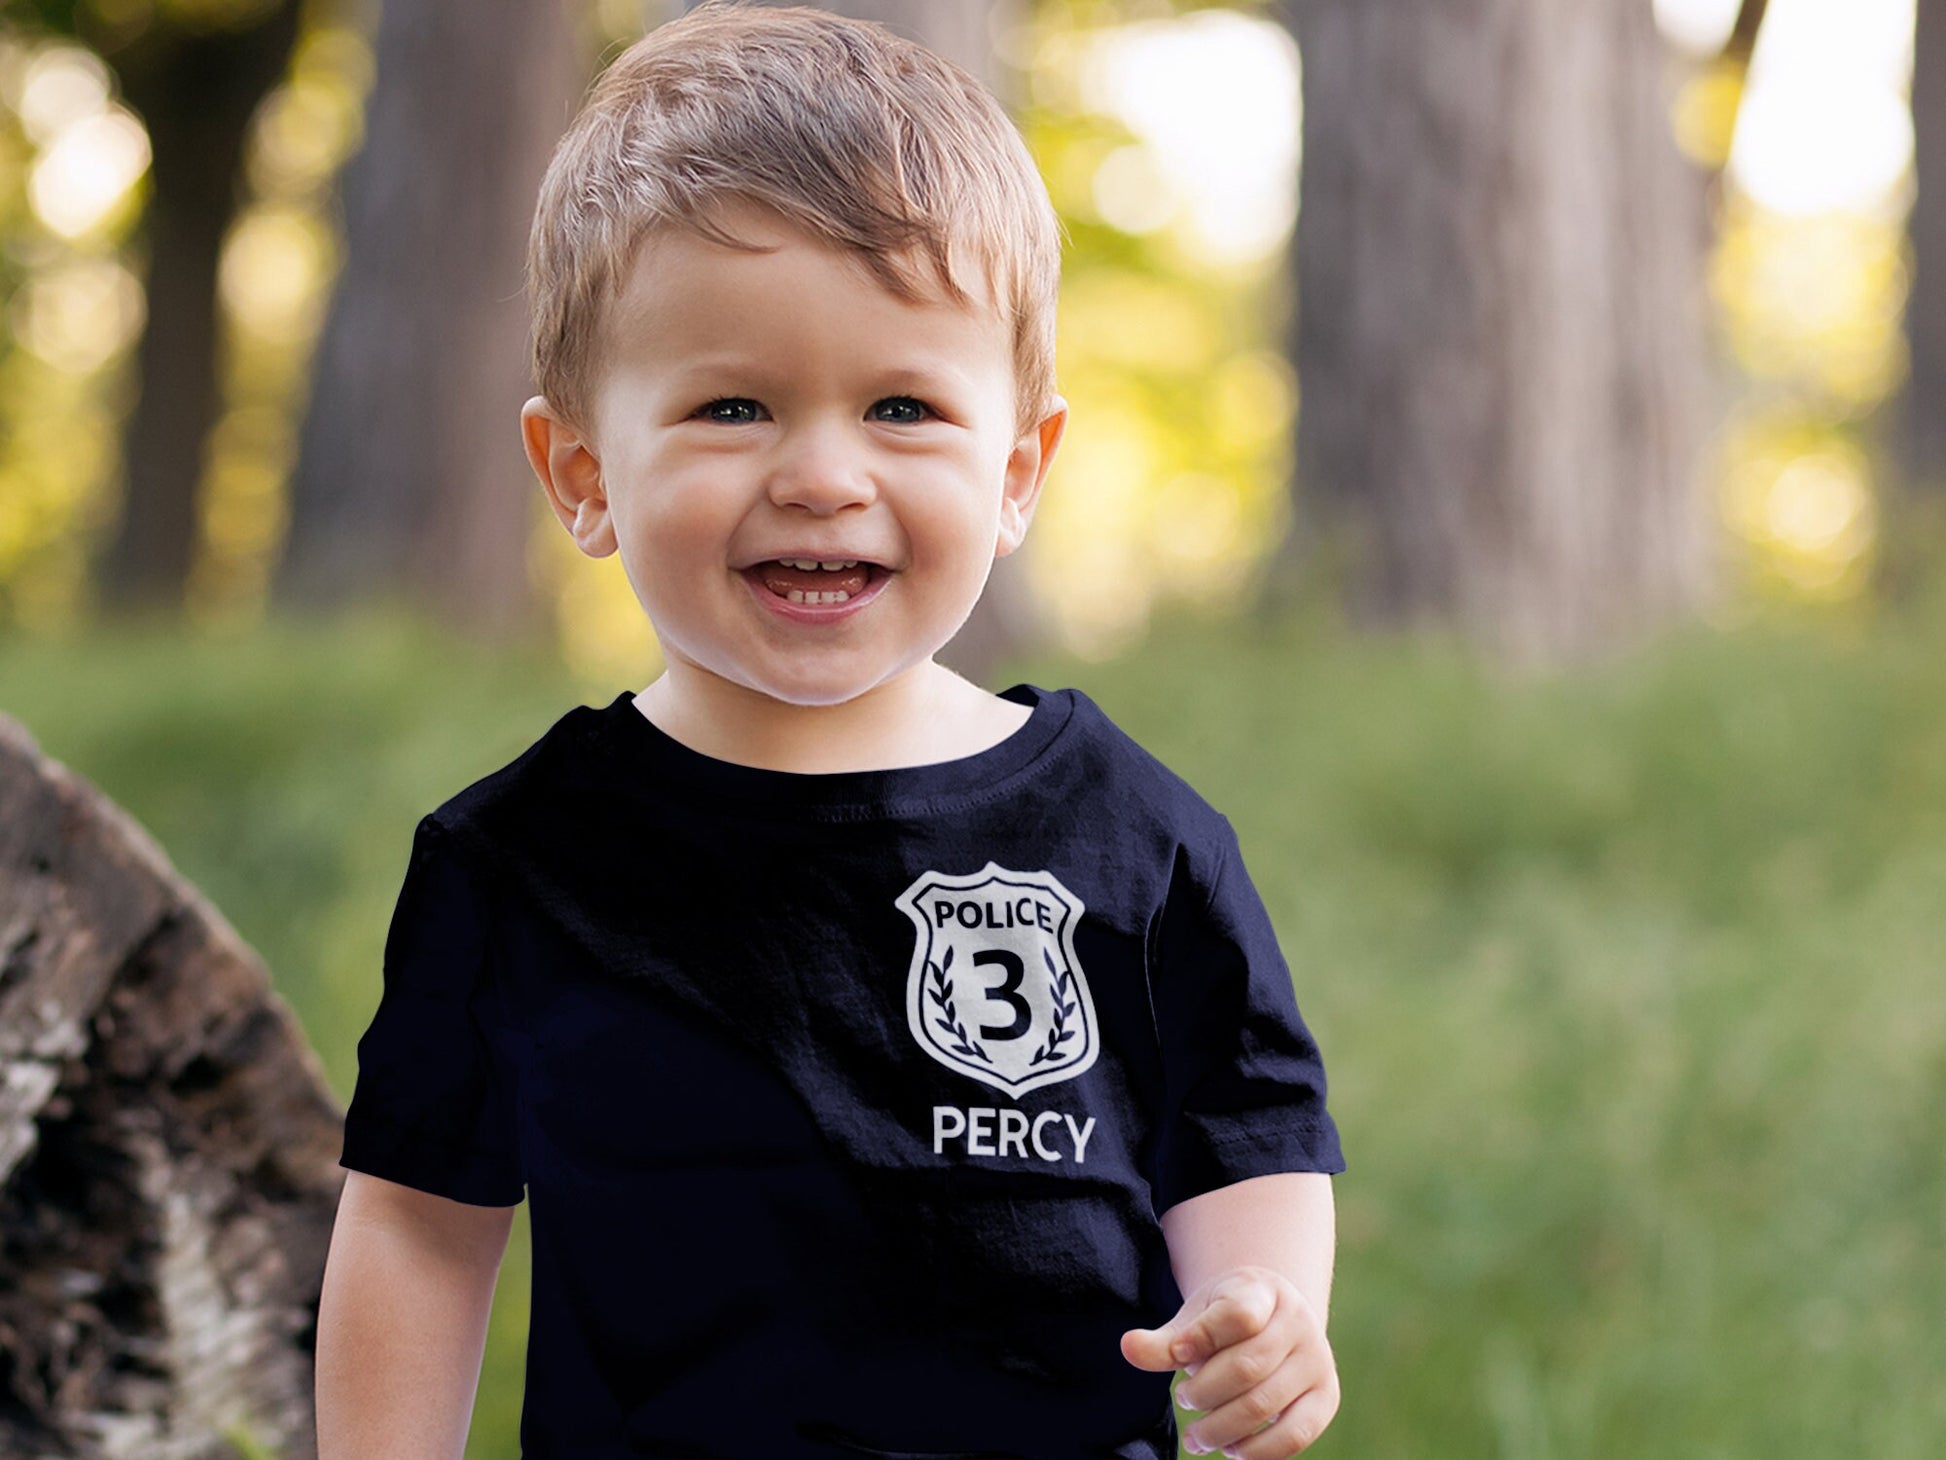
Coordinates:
[1027,468]
[564,460]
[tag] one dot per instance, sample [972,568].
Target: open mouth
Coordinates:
[818,586]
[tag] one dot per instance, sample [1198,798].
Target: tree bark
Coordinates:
[1500,326]
[1734,60]
[196,94]
[168,1151]
[1922,410]
[410,480]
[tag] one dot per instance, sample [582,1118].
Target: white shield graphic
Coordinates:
[995,990]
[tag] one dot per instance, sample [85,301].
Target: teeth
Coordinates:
[809,563]
[796,596]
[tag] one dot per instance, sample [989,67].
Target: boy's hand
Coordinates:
[1256,1355]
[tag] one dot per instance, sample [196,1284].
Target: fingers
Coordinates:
[1235,1308]
[1253,1329]
[1255,1353]
[1252,1427]
[1269,1359]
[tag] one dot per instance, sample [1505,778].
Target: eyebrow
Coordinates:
[926,377]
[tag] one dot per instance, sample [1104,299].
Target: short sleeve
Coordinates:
[430,1109]
[1244,1086]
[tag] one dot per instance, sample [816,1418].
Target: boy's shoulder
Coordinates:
[557,765]
[1132,772]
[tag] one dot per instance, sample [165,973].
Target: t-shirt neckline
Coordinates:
[676,768]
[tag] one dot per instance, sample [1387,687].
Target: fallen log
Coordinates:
[168,1151]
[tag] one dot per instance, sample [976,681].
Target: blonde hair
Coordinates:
[863,139]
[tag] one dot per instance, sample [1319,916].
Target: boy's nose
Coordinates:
[818,466]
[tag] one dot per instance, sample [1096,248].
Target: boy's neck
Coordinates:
[925,715]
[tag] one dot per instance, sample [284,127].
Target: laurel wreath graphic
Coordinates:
[942,994]
[1063,1006]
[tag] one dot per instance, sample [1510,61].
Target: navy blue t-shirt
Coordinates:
[846,1103]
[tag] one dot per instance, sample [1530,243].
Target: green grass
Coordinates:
[1630,981]
[1632,993]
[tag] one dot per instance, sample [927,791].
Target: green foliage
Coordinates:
[243,1439]
[1629,980]
[62,17]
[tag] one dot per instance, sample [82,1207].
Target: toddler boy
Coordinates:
[884,1059]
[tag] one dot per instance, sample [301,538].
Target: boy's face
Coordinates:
[757,406]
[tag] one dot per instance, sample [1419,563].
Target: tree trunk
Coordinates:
[1922,424]
[1008,621]
[1499,333]
[196,94]
[1733,62]
[410,478]
[168,1151]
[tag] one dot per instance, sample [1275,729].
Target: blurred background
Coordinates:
[1507,475]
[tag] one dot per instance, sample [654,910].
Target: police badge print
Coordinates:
[996,993]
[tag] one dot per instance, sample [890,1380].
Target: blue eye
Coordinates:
[719,410]
[907,400]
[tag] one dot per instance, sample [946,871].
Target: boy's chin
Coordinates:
[812,691]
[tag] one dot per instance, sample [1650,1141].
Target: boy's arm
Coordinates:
[402,1321]
[1286,1221]
[1253,1260]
